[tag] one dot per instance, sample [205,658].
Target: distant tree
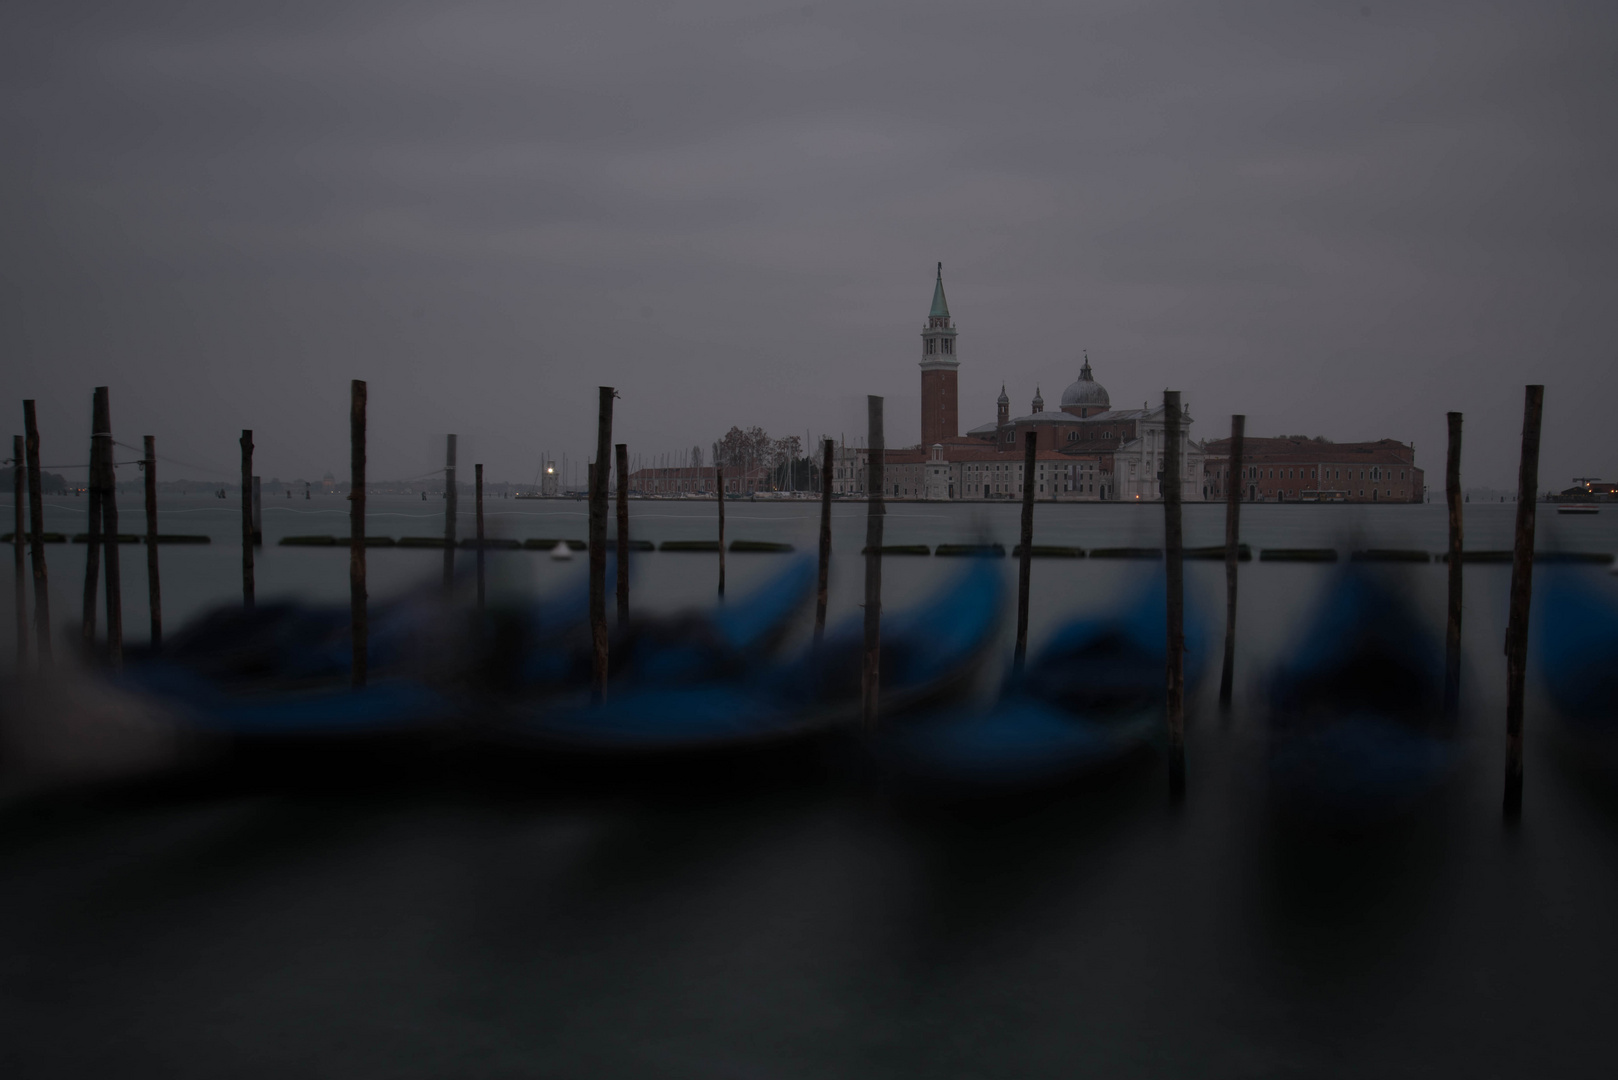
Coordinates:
[49,483]
[744,449]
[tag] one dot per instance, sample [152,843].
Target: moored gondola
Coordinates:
[1093,696]
[1357,730]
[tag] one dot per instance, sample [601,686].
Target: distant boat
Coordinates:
[561,552]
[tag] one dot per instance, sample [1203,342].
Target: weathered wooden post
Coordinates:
[621,461]
[451,498]
[36,539]
[1233,546]
[92,547]
[1522,581]
[1173,558]
[258,514]
[1025,561]
[358,612]
[719,473]
[1452,632]
[19,489]
[825,544]
[109,521]
[598,545]
[247,518]
[870,663]
[477,496]
[154,589]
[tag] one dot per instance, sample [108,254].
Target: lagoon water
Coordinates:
[461,912]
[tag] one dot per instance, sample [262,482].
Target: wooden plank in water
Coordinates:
[1244,553]
[997,551]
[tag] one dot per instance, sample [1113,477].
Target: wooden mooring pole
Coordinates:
[92,547]
[1452,631]
[477,498]
[825,543]
[36,538]
[154,588]
[719,473]
[258,513]
[358,613]
[1522,583]
[870,663]
[620,459]
[1025,561]
[1173,554]
[247,518]
[1233,546]
[19,490]
[599,471]
[109,521]
[451,501]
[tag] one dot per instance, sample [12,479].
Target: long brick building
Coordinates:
[1297,469]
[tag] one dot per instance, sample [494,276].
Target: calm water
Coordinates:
[461,912]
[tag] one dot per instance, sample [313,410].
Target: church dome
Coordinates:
[1086,392]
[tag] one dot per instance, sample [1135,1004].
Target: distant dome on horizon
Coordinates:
[1086,392]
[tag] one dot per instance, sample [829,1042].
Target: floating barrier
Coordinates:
[759,546]
[1049,551]
[504,543]
[422,542]
[550,544]
[1126,553]
[900,549]
[1243,553]
[1390,555]
[123,538]
[634,545]
[997,551]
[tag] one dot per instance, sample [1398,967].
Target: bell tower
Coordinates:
[940,413]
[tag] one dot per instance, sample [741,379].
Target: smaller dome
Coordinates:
[1002,399]
[1086,391]
[1039,401]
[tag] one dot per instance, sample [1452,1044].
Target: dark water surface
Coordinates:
[449,910]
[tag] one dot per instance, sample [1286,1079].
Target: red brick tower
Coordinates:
[940,414]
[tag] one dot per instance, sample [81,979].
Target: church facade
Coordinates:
[1085,449]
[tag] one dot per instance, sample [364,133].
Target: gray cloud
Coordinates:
[1335,221]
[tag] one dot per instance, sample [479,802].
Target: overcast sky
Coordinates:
[1336,218]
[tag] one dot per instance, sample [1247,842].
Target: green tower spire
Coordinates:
[940,305]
